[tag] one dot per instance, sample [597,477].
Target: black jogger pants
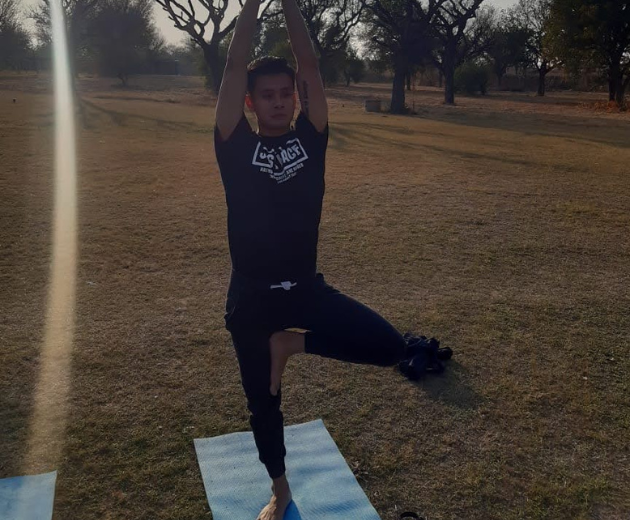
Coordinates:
[338,326]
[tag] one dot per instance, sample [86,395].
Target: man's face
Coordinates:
[273,101]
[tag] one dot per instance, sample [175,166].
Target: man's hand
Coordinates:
[309,81]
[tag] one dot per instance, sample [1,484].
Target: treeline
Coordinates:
[463,42]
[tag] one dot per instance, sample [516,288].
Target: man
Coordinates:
[274,186]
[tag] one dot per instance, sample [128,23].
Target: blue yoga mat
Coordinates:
[322,484]
[27,498]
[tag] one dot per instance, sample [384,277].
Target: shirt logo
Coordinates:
[282,162]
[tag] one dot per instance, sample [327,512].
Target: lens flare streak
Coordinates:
[48,421]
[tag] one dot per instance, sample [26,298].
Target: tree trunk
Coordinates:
[499,81]
[449,89]
[448,68]
[398,90]
[616,87]
[542,75]
[620,95]
[612,90]
[213,67]
[440,79]
[323,69]
[408,80]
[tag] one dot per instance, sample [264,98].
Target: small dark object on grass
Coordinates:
[409,515]
[14,100]
[423,356]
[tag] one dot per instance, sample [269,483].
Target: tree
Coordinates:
[397,30]
[77,14]
[463,32]
[508,47]
[15,43]
[534,17]
[596,32]
[123,37]
[188,56]
[330,23]
[186,18]
[353,67]
[273,40]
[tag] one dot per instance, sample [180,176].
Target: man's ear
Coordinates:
[249,102]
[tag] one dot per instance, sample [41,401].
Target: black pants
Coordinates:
[338,327]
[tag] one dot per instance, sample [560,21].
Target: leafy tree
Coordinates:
[123,37]
[463,32]
[15,45]
[274,41]
[508,47]
[353,67]
[409,32]
[534,17]
[188,55]
[472,77]
[77,14]
[397,32]
[595,32]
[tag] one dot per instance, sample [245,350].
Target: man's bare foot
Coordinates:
[279,500]
[283,344]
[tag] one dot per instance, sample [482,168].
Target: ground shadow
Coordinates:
[122,118]
[451,387]
[357,133]
[565,126]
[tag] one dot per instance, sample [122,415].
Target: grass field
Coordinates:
[500,226]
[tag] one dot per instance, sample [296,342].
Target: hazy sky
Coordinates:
[173,35]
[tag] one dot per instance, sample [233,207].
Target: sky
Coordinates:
[175,36]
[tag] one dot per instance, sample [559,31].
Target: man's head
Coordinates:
[271,93]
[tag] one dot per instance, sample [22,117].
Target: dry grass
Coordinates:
[500,225]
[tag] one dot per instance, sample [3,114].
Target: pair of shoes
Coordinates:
[420,365]
[423,356]
[416,344]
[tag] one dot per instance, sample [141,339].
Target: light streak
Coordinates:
[49,417]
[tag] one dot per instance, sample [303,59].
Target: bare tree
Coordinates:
[196,24]
[534,17]
[8,13]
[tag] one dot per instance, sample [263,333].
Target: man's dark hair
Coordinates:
[265,66]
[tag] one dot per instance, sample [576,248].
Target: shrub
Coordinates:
[472,78]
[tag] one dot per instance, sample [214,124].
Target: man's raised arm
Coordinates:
[309,81]
[234,85]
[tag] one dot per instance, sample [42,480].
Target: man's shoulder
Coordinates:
[241,133]
[305,128]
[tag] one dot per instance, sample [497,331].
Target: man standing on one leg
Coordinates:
[274,186]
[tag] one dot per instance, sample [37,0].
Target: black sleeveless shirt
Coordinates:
[274,188]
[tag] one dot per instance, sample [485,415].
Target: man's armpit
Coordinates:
[304,98]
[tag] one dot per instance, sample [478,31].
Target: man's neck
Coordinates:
[272,132]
